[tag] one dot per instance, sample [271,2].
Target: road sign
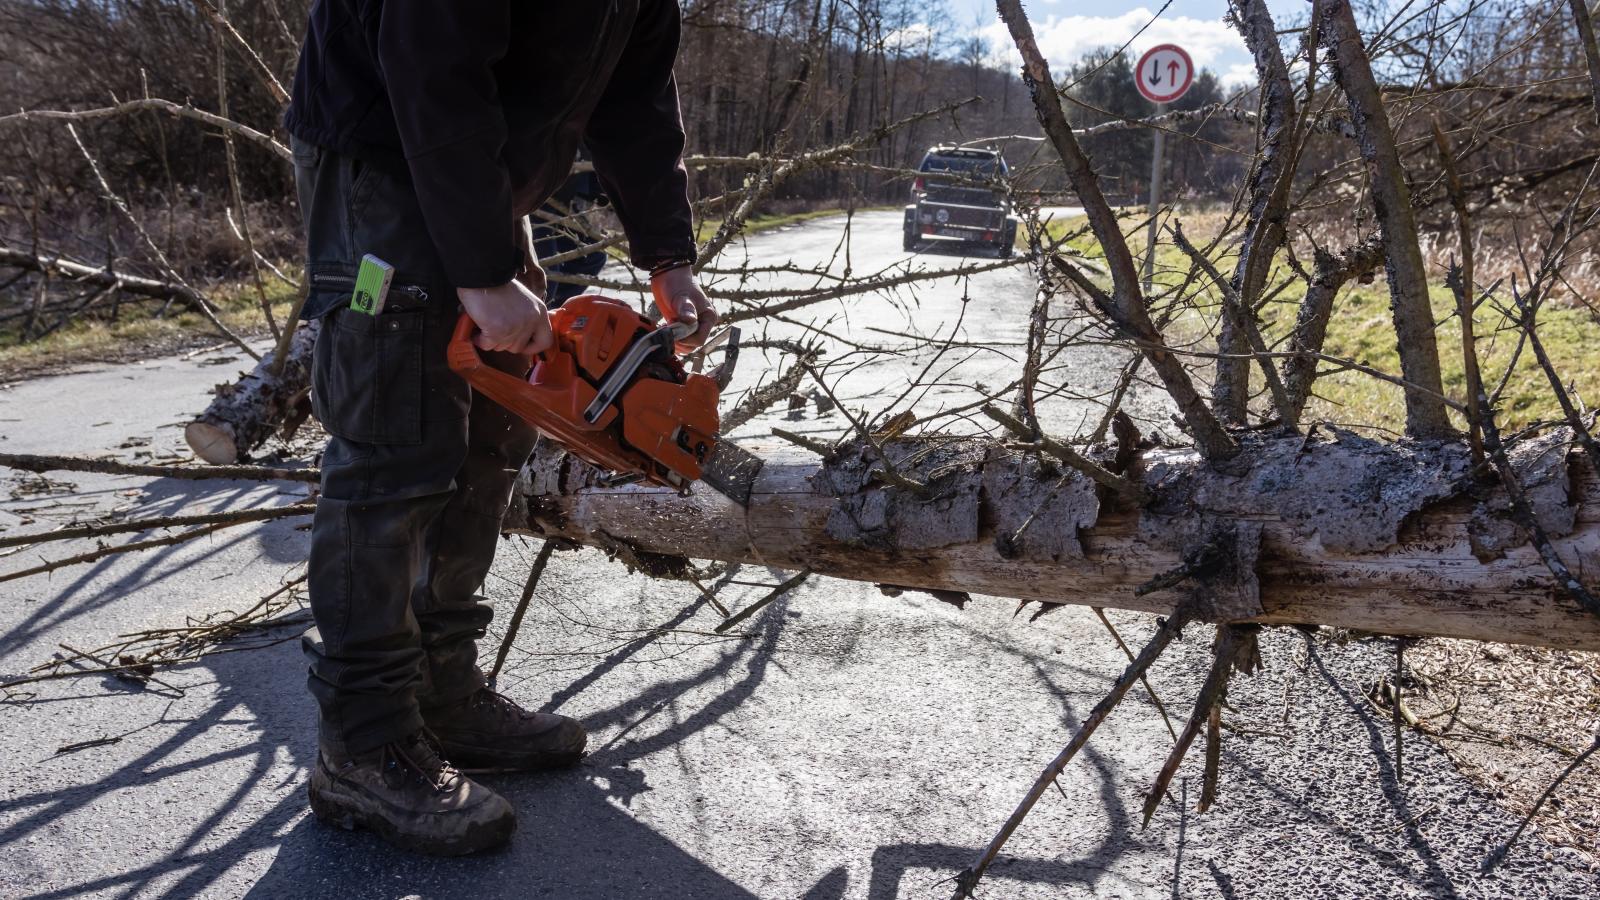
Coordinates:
[1164,73]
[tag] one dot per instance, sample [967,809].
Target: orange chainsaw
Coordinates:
[612,392]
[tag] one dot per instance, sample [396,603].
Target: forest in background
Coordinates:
[755,77]
[154,193]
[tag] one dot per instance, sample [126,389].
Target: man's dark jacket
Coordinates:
[482,104]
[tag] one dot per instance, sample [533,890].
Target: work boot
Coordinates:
[488,731]
[412,798]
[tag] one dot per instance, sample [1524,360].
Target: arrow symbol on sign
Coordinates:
[1172,71]
[1155,72]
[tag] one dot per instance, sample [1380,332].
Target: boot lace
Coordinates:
[418,758]
[502,705]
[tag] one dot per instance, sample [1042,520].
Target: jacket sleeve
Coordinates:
[636,138]
[436,57]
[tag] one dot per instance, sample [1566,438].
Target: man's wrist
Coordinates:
[665,266]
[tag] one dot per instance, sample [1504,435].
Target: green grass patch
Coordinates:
[139,332]
[1362,330]
[705,228]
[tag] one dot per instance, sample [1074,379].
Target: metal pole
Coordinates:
[1155,202]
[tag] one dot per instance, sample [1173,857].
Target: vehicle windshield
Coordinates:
[972,166]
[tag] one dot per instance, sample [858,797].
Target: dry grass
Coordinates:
[1361,328]
[1511,718]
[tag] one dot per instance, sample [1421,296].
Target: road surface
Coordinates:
[847,745]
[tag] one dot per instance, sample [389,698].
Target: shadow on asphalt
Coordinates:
[79,595]
[576,838]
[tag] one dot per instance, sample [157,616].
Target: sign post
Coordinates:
[1164,74]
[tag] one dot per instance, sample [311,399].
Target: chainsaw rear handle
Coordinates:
[552,407]
[466,328]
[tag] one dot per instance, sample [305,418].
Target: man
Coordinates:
[424,132]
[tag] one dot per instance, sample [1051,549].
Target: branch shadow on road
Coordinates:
[85,591]
[576,837]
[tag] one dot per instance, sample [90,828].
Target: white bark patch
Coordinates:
[870,513]
[1034,512]
[1347,495]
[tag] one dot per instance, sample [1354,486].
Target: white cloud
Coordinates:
[911,39]
[1238,75]
[1065,39]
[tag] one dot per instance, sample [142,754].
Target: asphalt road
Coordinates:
[848,744]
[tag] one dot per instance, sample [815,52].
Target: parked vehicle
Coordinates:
[958,198]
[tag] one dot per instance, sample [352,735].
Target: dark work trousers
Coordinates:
[416,475]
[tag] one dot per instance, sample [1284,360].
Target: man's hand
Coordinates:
[679,297]
[510,318]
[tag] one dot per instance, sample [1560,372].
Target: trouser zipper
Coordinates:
[414,291]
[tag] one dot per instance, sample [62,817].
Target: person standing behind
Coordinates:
[423,133]
[581,192]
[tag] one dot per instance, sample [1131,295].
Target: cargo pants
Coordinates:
[416,475]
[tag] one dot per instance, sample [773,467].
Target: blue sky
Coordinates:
[1066,29]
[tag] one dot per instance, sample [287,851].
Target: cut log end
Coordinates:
[212,443]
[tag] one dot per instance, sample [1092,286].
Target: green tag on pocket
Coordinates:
[372,285]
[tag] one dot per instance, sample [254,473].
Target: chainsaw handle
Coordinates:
[462,337]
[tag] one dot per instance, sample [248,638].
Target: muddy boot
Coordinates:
[487,731]
[411,797]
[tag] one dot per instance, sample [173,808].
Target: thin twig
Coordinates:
[31,462]
[761,604]
[515,625]
[231,517]
[967,881]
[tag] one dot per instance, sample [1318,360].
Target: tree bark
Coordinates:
[1311,326]
[1426,415]
[1349,532]
[1270,179]
[245,413]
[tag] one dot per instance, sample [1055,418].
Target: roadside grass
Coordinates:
[140,333]
[706,227]
[1361,330]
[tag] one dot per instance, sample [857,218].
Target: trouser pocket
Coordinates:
[367,376]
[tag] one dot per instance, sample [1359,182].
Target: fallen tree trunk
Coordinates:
[245,413]
[1348,532]
[57,266]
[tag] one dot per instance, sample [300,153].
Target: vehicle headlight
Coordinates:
[927,218]
[942,215]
